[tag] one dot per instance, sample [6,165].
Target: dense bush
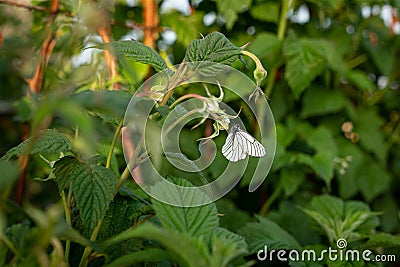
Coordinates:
[67,197]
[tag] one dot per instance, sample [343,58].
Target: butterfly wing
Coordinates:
[239,143]
[250,145]
[232,149]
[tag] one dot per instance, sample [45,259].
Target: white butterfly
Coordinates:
[239,144]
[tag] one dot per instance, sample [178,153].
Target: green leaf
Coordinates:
[225,247]
[187,28]
[186,249]
[328,5]
[292,178]
[48,141]
[323,165]
[9,174]
[62,171]
[65,232]
[18,235]
[93,188]
[268,12]
[383,52]
[181,160]
[303,128]
[267,47]
[198,221]
[137,51]
[229,237]
[320,101]
[368,125]
[146,255]
[122,213]
[3,254]
[387,204]
[360,80]
[110,102]
[266,232]
[350,220]
[321,140]
[384,240]
[372,179]
[348,186]
[230,10]
[305,61]
[321,162]
[23,108]
[214,48]
[291,218]
[383,56]
[97,159]
[284,136]
[233,218]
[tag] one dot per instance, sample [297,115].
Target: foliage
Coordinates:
[333,87]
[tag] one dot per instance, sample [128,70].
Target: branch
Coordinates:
[110,60]
[23,163]
[53,9]
[151,21]
[35,83]
[23,5]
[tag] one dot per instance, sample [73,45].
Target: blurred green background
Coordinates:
[333,85]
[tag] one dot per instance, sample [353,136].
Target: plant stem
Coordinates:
[88,250]
[175,81]
[67,210]
[183,117]
[282,19]
[130,166]
[357,61]
[116,135]
[281,35]
[271,199]
[8,243]
[394,137]
[187,96]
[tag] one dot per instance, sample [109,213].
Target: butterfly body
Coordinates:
[239,144]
